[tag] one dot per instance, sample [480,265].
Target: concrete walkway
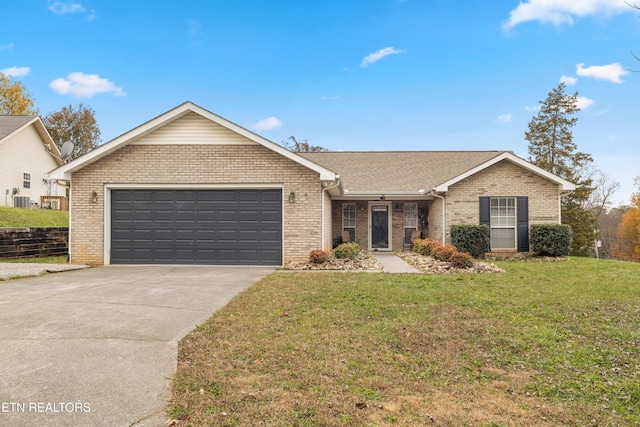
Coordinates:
[391,263]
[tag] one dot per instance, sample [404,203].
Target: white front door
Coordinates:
[380,226]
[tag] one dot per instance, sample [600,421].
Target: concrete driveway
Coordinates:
[98,347]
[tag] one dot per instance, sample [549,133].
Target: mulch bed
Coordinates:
[363,262]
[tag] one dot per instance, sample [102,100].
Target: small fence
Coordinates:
[33,242]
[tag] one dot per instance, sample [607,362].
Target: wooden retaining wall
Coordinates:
[33,242]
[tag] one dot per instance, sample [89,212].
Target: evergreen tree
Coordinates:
[551,147]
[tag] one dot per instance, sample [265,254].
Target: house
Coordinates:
[190,187]
[27,153]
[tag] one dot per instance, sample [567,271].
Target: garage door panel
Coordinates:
[196,227]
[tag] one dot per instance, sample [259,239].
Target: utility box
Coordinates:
[21,202]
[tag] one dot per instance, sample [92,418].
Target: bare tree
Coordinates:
[604,189]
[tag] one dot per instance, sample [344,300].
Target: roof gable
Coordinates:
[563,183]
[11,125]
[162,125]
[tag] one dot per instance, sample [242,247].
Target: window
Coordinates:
[410,220]
[26,180]
[349,219]
[503,222]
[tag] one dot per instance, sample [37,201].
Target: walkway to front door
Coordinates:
[392,263]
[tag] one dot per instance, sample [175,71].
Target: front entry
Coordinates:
[379,227]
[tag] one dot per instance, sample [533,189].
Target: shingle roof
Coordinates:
[9,124]
[398,171]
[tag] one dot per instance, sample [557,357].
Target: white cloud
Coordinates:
[7,47]
[558,12]
[84,85]
[330,98]
[268,123]
[377,56]
[584,102]
[569,80]
[16,71]
[505,118]
[67,8]
[611,72]
[532,108]
[64,8]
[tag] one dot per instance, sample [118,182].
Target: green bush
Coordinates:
[347,250]
[425,246]
[473,239]
[318,256]
[443,252]
[551,239]
[461,260]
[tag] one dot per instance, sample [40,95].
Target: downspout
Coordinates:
[444,221]
[326,186]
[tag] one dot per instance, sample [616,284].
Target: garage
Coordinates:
[196,226]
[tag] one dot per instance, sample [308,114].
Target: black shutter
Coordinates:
[523,224]
[485,211]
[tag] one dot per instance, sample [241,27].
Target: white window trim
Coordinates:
[26,180]
[404,218]
[513,227]
[355,217]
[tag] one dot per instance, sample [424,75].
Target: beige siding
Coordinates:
[193,129]
[211,165]
[20,153]
[504,179]
[328,225]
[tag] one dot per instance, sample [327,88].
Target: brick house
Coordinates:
[189,187]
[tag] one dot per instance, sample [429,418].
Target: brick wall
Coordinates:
[195,164]
[362,221]
[504,179]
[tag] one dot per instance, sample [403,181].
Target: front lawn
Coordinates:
[546,343]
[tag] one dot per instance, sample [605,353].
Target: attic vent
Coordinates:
[22,202]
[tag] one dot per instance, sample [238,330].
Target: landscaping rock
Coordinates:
[432,266]
[362,262]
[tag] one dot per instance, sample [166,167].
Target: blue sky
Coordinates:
[346,75]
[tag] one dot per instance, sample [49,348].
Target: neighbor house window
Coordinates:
[503,222]
[410,220]
[349,219]
[26,180]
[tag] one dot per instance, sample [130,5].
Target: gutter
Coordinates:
[444,221]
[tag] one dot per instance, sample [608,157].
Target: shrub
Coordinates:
[473,239]
[551,239]
[443,253]
[347,250]
[318,256]
[461,260]
[425,246]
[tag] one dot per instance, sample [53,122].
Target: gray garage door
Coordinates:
[223,227]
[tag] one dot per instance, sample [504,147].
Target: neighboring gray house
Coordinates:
[189,187]
[27,153]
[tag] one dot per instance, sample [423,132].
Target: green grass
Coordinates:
[42,260]
[546,343]
[18,217]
